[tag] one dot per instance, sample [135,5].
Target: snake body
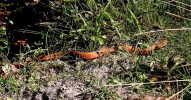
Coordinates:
[106,50]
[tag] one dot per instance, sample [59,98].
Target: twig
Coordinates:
[177,16]
[176,6]
[82,19]
[171,97]
[27,31]
[163,31]
[181,3]
[132,84]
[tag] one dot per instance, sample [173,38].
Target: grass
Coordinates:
[93,24]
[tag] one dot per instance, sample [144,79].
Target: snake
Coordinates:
[105,51]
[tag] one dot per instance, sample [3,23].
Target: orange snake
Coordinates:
[105,50]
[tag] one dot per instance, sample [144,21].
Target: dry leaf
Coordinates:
[134,96]
[147,97]
[19,42]
[161,98]
[8,68]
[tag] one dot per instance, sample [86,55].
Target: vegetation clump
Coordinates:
[95,49]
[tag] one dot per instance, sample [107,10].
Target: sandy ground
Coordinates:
[58,80]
